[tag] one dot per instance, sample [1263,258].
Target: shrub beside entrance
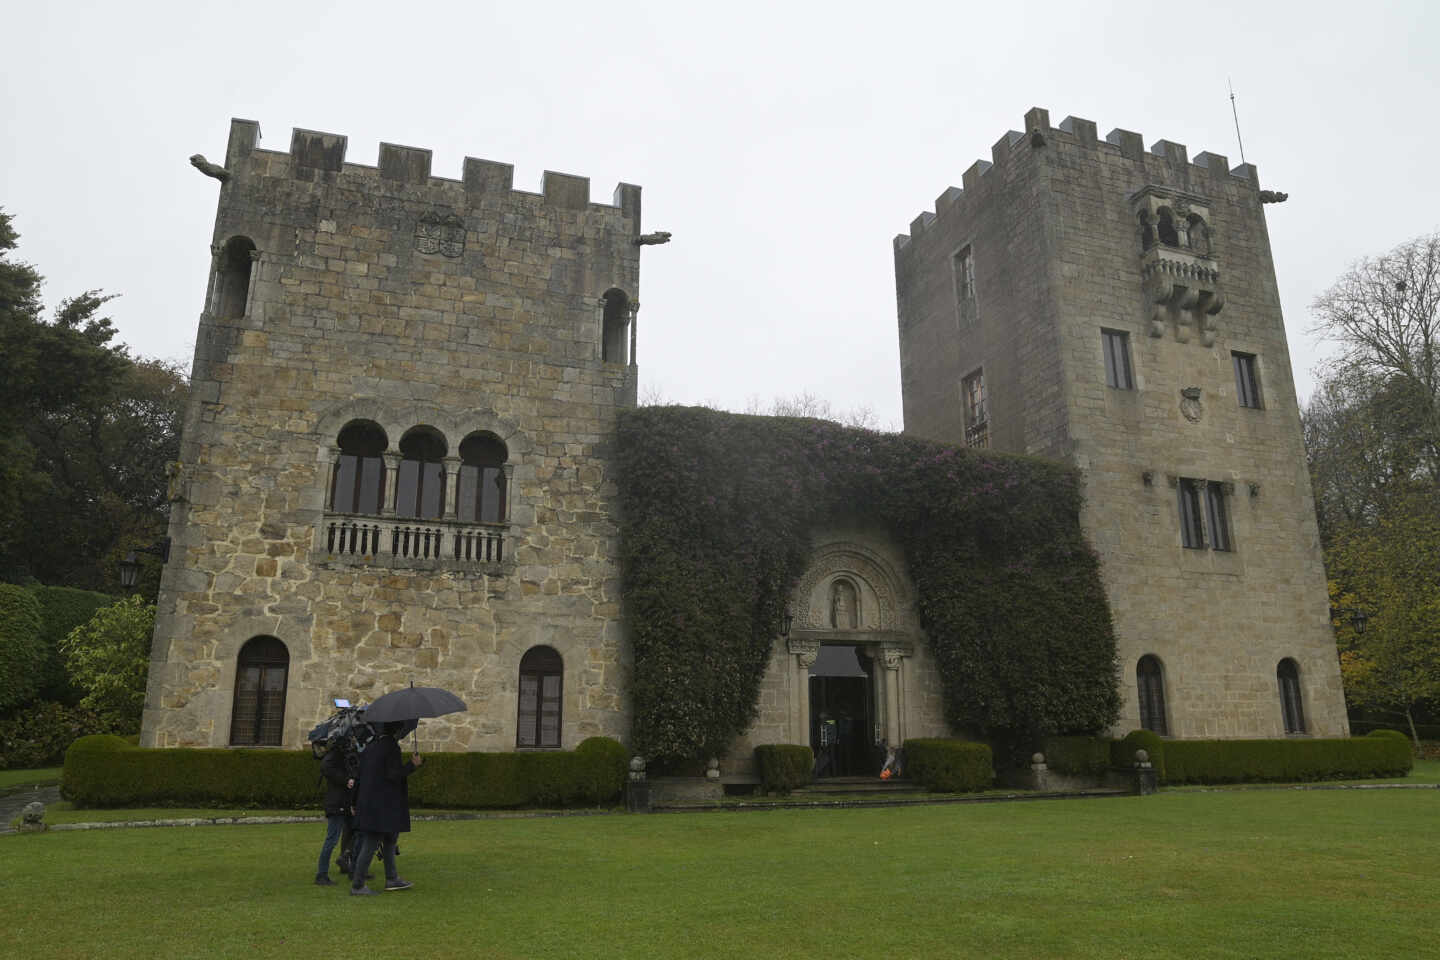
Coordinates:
[107,771]
[949,766]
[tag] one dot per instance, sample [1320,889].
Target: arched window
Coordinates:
[1166,228]
[420,486]
[258,717]
[1288,675]
[232,281]
[541,682]
[616,327]
[1150,679]
[358,483]
[482,479]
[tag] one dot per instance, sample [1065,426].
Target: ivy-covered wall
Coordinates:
[716,514]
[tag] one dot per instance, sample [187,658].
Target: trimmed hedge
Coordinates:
[1077,756]
[784,766]
[107,771]
[63,609]
[22,651]
[949,766]
[1241,761]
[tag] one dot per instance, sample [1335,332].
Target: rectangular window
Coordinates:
[1247,383]
[1192,523]
[421,489]
[963,266]
[977,410]
[359,483]
[1116,344]
[1215,518]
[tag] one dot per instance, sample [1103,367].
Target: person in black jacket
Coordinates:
[339,814]
[382,808]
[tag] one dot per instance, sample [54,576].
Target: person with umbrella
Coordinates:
[382,808]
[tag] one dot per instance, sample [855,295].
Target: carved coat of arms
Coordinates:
[440,233]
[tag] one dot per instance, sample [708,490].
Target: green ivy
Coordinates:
[717,511]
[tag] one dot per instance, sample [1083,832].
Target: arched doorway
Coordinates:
[842,712]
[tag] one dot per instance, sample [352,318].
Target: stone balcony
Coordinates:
[408,543]
[1183,287]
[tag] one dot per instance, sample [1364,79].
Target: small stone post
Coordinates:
[32,818]
[637,788]
[1145,780]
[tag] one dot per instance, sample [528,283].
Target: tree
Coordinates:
[1372,436]
[85,433]
[109,658]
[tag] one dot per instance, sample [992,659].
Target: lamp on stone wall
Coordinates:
[1358,618]
[130,566]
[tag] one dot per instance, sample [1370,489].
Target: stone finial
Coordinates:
[32,818]
[712,769]
[1142,758]
[637,768]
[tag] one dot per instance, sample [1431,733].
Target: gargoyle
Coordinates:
[199,162]
[648,239]
[1273,196]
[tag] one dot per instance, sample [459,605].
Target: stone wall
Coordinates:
[388,295]
[1054,223]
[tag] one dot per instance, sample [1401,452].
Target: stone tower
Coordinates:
[394,463]
[1091,301]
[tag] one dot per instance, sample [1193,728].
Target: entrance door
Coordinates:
[842,713]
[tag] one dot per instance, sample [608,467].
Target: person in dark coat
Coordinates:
[382,808]
[339,814]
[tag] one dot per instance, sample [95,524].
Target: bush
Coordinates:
[784,766]
[39,734]
[1122,752]
[109,658]
[22,651]
[1389,734]
[109,771]
[949,766]
[62,609]
[1077,756]
[1285,760]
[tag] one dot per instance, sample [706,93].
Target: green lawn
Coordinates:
[1181,874]
[12,780]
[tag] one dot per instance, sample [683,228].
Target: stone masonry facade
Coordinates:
[410,305]
[1117,308]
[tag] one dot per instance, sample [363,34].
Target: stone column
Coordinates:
[634,322]
[890,659]
[509,469]
[806,652]
[450,509]
[392,484]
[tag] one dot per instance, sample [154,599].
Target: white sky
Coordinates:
[784,144]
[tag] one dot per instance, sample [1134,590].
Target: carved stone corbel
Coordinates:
[806,650]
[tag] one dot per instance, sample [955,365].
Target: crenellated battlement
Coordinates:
[315,153]
[1165,161]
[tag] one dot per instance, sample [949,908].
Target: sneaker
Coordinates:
[363,892]
[398,884]
[323,880]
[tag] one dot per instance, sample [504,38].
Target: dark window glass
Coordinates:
[541,685]
[1247,384]
[420,481]
[1215,517]
[261,676]
[1151,682]
[1288,675]
[482,479]
[1192,523]
[614,334]
[358,483]
[1117,359]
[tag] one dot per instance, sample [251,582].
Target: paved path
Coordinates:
[12,803]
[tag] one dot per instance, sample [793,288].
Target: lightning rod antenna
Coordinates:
[1236,115]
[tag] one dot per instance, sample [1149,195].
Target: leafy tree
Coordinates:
[109,658]
[1372,434]
[85,433]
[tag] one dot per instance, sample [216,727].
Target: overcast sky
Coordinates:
[783,144]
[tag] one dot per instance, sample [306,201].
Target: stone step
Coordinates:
[860,785]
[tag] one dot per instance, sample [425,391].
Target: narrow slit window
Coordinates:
[1116,344]
[1216,518]
[1192,520]
[1247,382]
[1150,681]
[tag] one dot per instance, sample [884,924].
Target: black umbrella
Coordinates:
[412,703]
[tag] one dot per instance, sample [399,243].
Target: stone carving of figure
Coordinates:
[843,606]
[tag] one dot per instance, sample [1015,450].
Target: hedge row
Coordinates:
[106,771]
[1241,761]
[949,766]
[1077,756]
[784,766]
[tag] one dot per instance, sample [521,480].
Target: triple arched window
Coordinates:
[422,482]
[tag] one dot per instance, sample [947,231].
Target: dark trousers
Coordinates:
[365,846]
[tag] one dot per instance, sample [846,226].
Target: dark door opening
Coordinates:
[842,712]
